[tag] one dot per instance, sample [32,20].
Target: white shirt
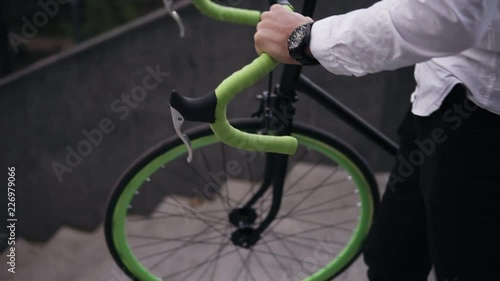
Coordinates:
[450,41]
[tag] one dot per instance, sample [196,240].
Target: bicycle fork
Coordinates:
[278,117]
[277,113]
[245,236]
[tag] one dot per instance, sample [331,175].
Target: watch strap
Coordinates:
[300,53]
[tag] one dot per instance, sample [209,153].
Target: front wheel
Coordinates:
[169,220]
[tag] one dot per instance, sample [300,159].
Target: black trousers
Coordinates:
[442,204]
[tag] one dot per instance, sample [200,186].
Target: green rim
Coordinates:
[345,256]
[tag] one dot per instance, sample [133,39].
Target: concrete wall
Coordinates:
[44,109]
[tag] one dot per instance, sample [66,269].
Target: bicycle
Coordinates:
[213,219]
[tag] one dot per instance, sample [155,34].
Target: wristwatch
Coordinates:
[298,44]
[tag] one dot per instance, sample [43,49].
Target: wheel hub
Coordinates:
[244,236]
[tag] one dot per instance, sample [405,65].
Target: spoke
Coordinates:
[297,161]
[241,268]
[147,218]
[305,190]
[302,176]
[216,219]
[174,250]
[201,213]
[310,239]
[216,253]
[196,172]
[278,255]
[253,184]
[228,199]
[224,163]
[249,255]
[309,188]
[197,265]
[180,237]
[316,205]
[165,202]
[193,213]
[249,191]
[201,219]
[183,177]
[205,160]
[165,215]
[333,209]
[208,218]
[268,196]
[287,189]
[326,225]
[287,248]
[264,268]
[215,211]
[214,270]
[289,237]
[167,240]
[272,254]
[245,265]
[314,230]
[304,199]
[209,168]
[253,181]
[308,247]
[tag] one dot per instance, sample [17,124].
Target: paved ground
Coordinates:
[76,256]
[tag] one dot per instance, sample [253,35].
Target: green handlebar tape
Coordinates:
[239,81]
[236,138]
[228,14]
[235,84]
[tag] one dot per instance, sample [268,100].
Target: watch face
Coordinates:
[298,43]
[296,37]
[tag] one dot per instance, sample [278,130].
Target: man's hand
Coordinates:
[273,31]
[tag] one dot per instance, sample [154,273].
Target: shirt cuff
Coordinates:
[321,42]
[356,43]
[330,46]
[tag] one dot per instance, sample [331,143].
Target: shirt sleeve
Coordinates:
[396,33]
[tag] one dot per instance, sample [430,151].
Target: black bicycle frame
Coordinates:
[282,110]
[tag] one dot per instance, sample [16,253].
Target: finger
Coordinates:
[278,8]
[257,50]
[265,15]
[275,7]
[256,39]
